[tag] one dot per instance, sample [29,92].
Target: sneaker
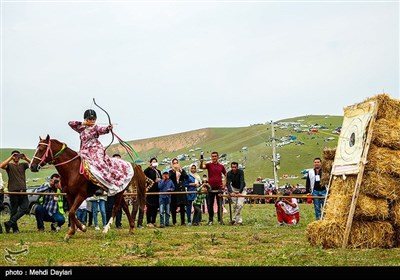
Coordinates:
[150,225]
[15,229]
[189,224]
[281,223]
[294,222]
[58,228]
[210,223]
[161,225]
[221,223]
[53,226]
[97,228]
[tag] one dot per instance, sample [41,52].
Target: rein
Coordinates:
[49,153]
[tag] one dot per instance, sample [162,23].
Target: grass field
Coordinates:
[258,243]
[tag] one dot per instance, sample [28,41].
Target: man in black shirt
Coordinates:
[236,186]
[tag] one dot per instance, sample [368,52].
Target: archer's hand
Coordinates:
[110,127]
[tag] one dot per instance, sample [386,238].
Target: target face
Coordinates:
[352,139]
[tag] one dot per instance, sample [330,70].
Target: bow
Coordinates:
[109,121]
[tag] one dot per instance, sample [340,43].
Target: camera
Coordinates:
[56,181]
[202,155]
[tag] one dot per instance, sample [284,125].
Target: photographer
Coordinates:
[16,183]
[287,210]
[50,208]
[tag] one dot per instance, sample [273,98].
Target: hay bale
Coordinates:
[342,186]
[337,208]
[395,213]
[383,160]
[326,166]
[386,133]
[325,178]
[371,208]
[389,108]
[381,185]
[328,153]
[329,234]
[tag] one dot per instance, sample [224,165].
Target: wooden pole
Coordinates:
[359,178]
[274,159]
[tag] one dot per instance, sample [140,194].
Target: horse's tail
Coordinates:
[141,185]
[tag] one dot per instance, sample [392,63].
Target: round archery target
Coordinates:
[351,139]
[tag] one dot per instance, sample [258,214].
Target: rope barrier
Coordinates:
[186,192]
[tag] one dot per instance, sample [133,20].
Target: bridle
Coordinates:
[49,154]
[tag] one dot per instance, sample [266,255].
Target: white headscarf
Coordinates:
[195,174]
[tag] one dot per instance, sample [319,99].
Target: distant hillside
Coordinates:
[250,146]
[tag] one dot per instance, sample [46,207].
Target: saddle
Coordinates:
[84,169]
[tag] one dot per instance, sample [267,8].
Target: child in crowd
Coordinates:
[199,201]
[165,185]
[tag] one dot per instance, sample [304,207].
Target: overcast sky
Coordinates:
[160,68]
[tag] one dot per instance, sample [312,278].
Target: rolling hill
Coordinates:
[250,146]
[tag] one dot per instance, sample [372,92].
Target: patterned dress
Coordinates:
[114,173]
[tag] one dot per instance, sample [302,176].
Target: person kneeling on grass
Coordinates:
[50,208]
[287,210]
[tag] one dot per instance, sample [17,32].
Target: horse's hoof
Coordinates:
[84,228]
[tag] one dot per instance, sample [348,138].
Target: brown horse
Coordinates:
[76,186]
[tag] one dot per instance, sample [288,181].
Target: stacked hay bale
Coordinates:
[376,220]
[328,156]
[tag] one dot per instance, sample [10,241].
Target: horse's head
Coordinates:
[43,154]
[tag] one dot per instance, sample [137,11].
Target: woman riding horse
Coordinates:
[115,174]
[112,172]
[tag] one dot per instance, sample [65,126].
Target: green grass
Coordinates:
[259,242]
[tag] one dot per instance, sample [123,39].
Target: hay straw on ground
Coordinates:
[386,133]
[337,208]
[383,160]
[328,153]
[329,234]
[395,213]
[389,108]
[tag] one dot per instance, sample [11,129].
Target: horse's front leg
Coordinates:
[74,220]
